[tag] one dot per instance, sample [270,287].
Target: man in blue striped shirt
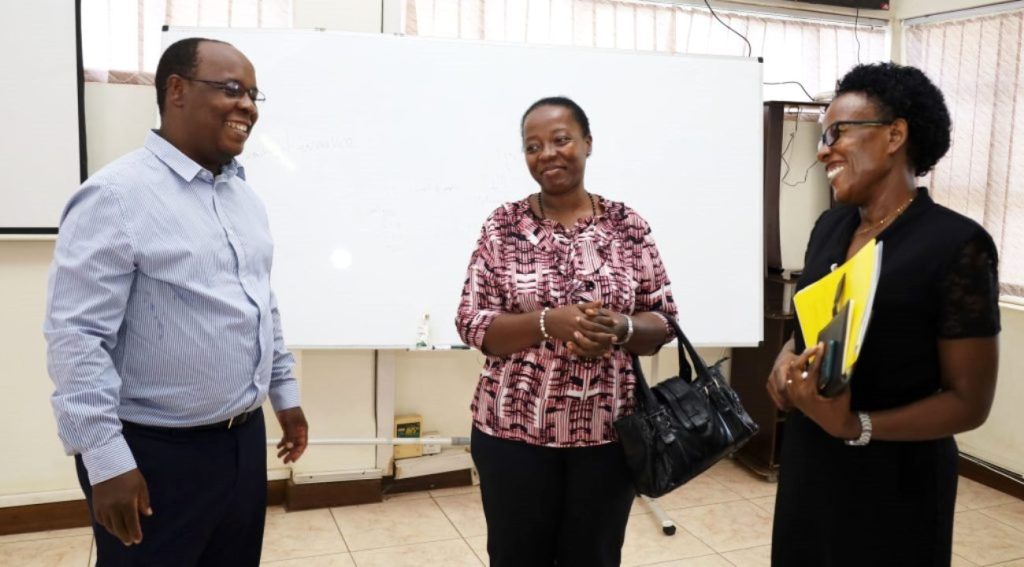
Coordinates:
[164,337]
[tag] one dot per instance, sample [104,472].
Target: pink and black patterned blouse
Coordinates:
[544,395]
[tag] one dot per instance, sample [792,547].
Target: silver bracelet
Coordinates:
[629,331]
[865,431]
[543,329]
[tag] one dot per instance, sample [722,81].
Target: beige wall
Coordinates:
[338,385]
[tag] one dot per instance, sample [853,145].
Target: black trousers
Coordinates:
[208,491]
[546,506]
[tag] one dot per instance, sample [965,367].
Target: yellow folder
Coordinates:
[855,280]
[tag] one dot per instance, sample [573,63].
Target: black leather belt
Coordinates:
[234,422]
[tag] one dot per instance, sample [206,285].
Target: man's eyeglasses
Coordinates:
[831,134]
[233,89]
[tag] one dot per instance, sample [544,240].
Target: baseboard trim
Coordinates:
[44,517]
[450,479]
[312,495]
[75,513]
[991,476]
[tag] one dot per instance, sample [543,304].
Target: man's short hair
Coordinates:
[180,58]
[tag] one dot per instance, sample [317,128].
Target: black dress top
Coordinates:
[888,503]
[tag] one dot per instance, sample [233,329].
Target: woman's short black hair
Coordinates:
[905,92]
[565,102]
[180,58]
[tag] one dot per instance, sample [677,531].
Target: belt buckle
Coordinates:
[231,422]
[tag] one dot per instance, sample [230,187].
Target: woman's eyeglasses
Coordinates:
[233,89]
[831,134]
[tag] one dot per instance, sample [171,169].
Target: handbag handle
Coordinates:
[685,370]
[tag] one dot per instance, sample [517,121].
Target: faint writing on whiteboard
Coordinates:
[285,149]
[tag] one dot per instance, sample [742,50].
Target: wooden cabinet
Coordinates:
[750,368]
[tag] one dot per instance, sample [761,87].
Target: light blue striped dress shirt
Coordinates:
[159,306]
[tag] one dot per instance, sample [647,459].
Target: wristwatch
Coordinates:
[865,431]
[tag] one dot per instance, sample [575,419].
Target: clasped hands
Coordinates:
[589,329]
[794,383]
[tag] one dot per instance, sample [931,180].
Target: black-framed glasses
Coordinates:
[233,89]
[831,134]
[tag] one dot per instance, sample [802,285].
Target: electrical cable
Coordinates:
[809,97]
[750,49]
[856,19]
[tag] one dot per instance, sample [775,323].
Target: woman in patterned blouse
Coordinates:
[563,286]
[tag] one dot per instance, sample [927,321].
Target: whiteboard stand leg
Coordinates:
[668,527]
[384,394]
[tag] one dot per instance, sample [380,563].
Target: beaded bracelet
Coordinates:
[543,329]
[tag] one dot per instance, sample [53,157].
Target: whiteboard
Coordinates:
[379,157]
[40,162]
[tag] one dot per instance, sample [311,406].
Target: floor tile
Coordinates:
[466,512]
[766,503]
[704,561]
[449,553]
[700,491]
[32,536]
[372,526]
[646,543]
[1009,514]
[741,480]
[971,495]
[753,557]
[334,560]
[70,551]
[961,562]
[479,546]
[455,491]
[984,540]
[301,534]
[728,526]
[403,496]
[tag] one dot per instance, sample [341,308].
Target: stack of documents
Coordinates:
[837,308]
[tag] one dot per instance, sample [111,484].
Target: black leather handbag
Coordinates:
[682,426]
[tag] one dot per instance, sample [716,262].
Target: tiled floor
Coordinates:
[724,519]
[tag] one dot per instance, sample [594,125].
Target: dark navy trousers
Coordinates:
[208,491]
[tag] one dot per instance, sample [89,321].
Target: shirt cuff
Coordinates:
[106,462]
[477,328]
[285,395]
[670,333]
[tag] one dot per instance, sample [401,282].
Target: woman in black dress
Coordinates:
[869,478]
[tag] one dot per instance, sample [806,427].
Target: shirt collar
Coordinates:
[183,165]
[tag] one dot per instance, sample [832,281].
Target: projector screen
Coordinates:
[379,157]
[40,157]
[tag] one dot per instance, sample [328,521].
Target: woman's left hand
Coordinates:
[598,333]
[831,414]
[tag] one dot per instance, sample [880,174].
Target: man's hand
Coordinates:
[117,502]
[295,434]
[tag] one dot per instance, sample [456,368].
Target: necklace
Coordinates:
[888,218]
[540,204]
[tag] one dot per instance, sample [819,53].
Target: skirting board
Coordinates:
[451,459]
[75,513]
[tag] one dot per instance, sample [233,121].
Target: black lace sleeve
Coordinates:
[970,292]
